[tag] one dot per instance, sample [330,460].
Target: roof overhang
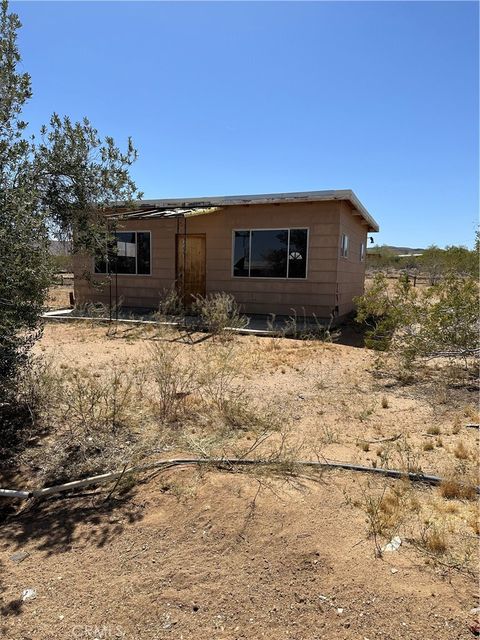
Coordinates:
[183,207]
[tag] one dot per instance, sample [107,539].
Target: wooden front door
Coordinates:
[190,269]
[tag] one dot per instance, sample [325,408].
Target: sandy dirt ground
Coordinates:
[226,555]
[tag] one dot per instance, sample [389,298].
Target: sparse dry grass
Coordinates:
[454,490]
[461,451]
[278,397]
[434,539]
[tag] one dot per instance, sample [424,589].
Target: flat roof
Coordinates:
[263,198]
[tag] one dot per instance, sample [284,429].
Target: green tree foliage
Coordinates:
[385,309]
[60,182]
[80,176]
[382,257]
[24,258]
[441,321]
[453,259]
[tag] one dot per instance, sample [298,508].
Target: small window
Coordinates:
[344,246]
[270,253]
[128,253]
[362,251]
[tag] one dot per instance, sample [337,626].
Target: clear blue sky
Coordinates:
[227,98]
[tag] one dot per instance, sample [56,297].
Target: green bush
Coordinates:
[441,321]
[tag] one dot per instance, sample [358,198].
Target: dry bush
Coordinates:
[461,451]
[172,378]
[205,390]
[457,425]
[474,523]
[406,457]
[91,420]
[99,402]
[433,539]
[38,387]
[219,313]
[428,446]
[434,430]
[170,306]
[385,510]
[452,489]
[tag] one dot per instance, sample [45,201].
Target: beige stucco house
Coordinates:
[274,253]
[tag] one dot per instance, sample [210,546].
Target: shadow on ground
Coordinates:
[54,525]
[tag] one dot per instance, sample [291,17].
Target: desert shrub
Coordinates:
[433,539]
[436,262]
[91,419]
[219,370]
[450,322]
[440,322]
[384,311]
[406,457]
[452,489]
[461,451]
[434,430]
[219,312]
[384,510]
[27,412]
[98,403]
[170,305]
[173,380]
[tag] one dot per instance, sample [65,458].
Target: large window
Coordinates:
[270,253]
[127,254]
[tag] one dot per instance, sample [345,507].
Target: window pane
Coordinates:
[297,255]
[269,254]
[143,252]
[125,259]
[240,253]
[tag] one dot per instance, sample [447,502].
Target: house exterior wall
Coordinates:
[351,271]
[329,282]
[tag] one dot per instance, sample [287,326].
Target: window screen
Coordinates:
[270,253]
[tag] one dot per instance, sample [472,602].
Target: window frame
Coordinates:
[362,251]
[129,275]
[344,251]
[249,277]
